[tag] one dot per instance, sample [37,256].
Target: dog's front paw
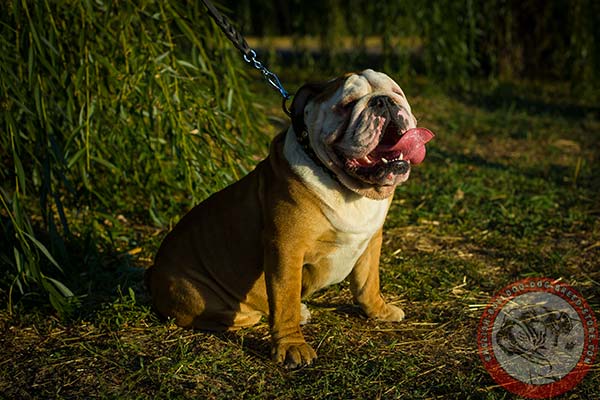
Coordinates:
[293,354]
[390,313]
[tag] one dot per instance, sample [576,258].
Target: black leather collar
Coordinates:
[304,141]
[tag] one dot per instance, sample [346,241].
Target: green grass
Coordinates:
[509,189]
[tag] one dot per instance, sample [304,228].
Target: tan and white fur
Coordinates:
[295,224]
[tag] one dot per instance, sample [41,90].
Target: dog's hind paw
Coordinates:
[304,314]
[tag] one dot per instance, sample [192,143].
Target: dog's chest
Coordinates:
[354,224]
[354,219]
[340,262]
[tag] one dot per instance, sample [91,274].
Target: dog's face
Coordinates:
[361,127]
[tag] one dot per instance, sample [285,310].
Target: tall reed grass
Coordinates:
[457,39]
[110,107]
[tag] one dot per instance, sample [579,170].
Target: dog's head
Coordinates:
[361,127]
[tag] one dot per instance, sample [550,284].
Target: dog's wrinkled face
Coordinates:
[362,128]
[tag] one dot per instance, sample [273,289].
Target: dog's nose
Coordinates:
[381,102]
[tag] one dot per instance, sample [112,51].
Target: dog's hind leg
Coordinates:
[194,304]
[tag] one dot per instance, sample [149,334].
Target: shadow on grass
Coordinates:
[558,175]
[533,99]
[97,274]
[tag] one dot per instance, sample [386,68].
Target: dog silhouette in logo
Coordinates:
[534,334]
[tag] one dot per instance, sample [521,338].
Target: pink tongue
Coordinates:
[412,144]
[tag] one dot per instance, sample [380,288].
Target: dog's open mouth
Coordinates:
[393,155]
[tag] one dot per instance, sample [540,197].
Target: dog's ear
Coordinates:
[301,98]
[320,91]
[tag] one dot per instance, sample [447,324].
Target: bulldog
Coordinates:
[307,217]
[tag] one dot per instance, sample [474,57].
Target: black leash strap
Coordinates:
[249,55]
[234,36]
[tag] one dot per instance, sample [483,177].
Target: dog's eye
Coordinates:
[350,104]
[346,106]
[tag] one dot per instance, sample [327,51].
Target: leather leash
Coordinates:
[250,57]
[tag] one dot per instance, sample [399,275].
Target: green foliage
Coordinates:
[452,40]
[108,107]
[90,169]
[141,108]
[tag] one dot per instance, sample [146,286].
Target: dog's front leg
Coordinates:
[283,275]
[364,284]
